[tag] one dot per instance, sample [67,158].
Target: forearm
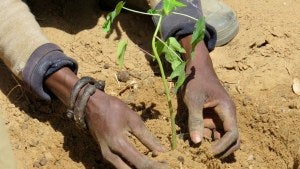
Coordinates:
[20,34]
[26,51]
[61,83]
[201,63]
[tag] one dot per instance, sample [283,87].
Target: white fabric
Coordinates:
[20,34]
[7,160]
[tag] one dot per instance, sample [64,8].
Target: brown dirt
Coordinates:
[257,69]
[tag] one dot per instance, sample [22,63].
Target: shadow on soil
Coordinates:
[80,144]
[73,17]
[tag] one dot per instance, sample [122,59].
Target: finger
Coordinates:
[139,129]
[209,123]
[124,148]
[231,149]
[228,117]
[207,133]
[112,158]
[195,120]
[217,135]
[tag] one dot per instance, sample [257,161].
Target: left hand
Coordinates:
[204,90]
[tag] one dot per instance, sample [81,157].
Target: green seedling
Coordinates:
[121,52]
[170,48]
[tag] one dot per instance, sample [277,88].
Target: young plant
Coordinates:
[170,48]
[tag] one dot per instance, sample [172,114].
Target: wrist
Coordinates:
[201,62]
[61,83]
[96,100]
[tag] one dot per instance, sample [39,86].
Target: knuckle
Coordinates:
[228,105]
[234,135]
[195,124]
[191,96]
[117,144]
[195,121]
[116,105]
[108,156]
[195,117]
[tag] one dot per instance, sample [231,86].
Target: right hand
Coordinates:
[203,90]
[109,121]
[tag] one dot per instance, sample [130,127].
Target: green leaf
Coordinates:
[152,11]
[173,60]
[121,51]
[111,16]
[169,5]
[180,81]
[198,34]
[178,4]
[159,47]
[179,72]
[173,43]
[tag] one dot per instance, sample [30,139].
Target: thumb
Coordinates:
[195,121]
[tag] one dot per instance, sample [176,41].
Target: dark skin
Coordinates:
[203,90]
[110,120]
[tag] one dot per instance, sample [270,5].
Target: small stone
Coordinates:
[263,109]
[24,126]
[36,164]
[250,158]
[106,66]
[181,159]
[26,118]
[296,86]
[33,143]
[246,101]
[57,162]
[293,106]
[48,155]
[17,147]
[43,161]
[123,76]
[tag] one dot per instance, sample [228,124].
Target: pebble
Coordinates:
[296,86]
[43,161]
[24,126]
[33,143]
[246,101]
[26,118]
[48,155]
[123,76]
[250,158]
[181,159]
[106,66]
[263,109]
[57,162]
[36,164]
[294,106]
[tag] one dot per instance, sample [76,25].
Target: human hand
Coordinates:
[201,91]
[110,121]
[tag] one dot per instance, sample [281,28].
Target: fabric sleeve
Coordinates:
[174,25]
[25,49]
[20,34]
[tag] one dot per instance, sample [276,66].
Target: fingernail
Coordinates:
[196,139]
[195,136]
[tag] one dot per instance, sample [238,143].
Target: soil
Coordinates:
[257,68]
